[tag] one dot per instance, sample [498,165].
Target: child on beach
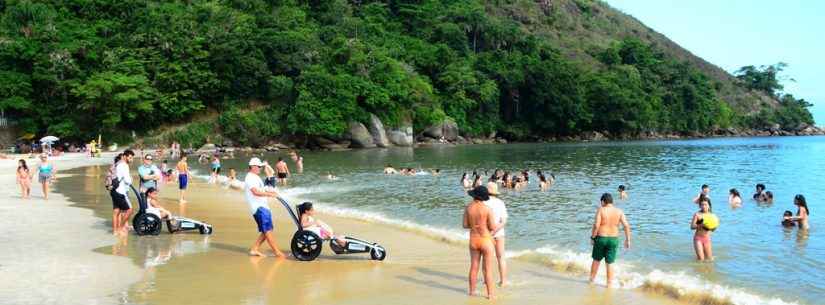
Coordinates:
[24,179]
[309,223]
[479,219]
[153,206]
[183,177]
[605,236]
[701,239]
[256,197]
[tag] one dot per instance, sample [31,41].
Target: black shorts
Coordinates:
[269,181]
[281,175]
[119,201]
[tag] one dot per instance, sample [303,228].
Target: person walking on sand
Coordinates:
[499,210]
[605,236]
[701,239]
[283,171]
[256,197]
[183,177]
[46,174]
[121,207]
[24,179]
[479,219]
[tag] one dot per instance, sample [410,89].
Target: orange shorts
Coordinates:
[480,242]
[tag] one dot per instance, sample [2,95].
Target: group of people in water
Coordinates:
[515,181]
[486,216]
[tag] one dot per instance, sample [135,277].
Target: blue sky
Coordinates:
[736,33]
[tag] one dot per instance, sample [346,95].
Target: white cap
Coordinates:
[255,162]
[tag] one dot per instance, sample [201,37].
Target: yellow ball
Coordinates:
[710,221]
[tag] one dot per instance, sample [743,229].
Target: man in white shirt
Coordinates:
[120,196]
[499,217]
[256,196]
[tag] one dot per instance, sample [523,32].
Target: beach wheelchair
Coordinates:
[145,223]
[306,245]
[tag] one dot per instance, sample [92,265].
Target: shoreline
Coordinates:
[48,256]
[420,268]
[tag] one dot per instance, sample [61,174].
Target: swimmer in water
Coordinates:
[622,192]
[479,219]
[476,181]
[734,199]
[759,195]
[802,212]
[701,239]
[705,192]
[787,219]
[543,185]
[389,170]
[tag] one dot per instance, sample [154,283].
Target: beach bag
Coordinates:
[111,182]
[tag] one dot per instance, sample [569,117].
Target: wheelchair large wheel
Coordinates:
[306,245]
[147,224]
[378,254]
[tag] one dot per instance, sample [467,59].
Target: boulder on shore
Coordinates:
[448,129]
[379,134]
[402,136]
[360,136]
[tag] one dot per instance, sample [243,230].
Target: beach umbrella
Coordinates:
[49,139]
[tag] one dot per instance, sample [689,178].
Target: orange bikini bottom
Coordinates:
[480,242]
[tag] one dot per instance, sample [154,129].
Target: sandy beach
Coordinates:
[191,268]
[47,252]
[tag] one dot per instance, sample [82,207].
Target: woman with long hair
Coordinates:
[734,198]
[802,212]
[701,239]
[24,178]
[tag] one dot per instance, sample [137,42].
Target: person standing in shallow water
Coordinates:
[802,212]
[183,177]
[479,219]
[605,236]
[701,239]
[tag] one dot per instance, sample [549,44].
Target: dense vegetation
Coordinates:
[76,68]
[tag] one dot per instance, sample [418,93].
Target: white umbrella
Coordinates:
[49,139]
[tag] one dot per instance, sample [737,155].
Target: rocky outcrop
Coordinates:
[331,144]
[448,129]
[379,134]
[402,136]
[359,135]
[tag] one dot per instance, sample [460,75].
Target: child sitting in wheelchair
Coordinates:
[309,223]
[153,205]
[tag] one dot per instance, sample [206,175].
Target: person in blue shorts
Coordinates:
[256,197]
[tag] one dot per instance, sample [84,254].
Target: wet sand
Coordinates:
[46,248]
[215,269]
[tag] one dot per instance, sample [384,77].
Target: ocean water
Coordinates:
[757,260]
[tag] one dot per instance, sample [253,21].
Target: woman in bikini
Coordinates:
[701,239]
[479,219]
[309,223]
[24,178]
[802,212]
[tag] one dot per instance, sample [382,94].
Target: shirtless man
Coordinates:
[183,177]
[479,219]
[705,192]
[605,236]
[283,171]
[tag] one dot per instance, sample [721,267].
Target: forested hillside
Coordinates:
[524,69]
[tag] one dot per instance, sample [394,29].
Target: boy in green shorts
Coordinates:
[605,236]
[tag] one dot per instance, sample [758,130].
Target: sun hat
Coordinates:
[492,188]
[255,162]
[479,193]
